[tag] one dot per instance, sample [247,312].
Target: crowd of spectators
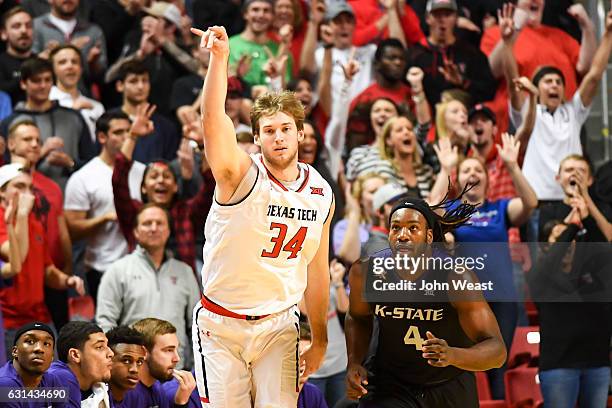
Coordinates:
[105,188]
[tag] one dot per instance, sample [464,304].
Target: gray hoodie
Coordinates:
[45,31]
[132,289]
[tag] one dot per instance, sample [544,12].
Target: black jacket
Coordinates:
[473,64]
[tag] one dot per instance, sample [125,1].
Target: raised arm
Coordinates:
[589,84]
[415,77]
[507,63]
[369,31]
[324,84]
[24,202]
[448,156]
[308,64]
[141,126]
[13,267]
[507,20]
[394,22]
[335,133]
[588,44]
[520,207]
[227,161]
[528,121]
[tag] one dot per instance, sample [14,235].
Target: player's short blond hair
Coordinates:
[151,327]
[271,103]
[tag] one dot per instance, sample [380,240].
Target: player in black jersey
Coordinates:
[426,350]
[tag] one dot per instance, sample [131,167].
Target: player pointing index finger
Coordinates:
[267,239]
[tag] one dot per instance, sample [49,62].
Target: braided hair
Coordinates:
[440,224]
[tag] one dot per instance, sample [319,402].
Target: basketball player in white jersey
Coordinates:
[267,238]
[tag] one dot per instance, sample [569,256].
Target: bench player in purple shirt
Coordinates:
[161,342]
[32,355]
[171,387]
[129,350]
[85,360]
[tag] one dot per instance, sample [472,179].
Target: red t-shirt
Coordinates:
[54,196]
[534,47]
[24,301]
[295,47]
[299,35]
[401,95]
[368,12]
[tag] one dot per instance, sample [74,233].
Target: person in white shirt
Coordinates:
[556,133]
[89,205]
[557,128]
[267,244]
[337,24]
[67,68]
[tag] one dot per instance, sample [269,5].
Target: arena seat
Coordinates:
[532,313]
[523,388]
[484,392]
[81,308]
[482,385]
[492,404]
[525,349]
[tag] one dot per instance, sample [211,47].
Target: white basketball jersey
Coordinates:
[257,251]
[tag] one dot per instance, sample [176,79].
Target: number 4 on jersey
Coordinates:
[293,246]
[413,336]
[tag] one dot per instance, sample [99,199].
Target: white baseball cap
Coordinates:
[165,10]
[9,172]
[386,194]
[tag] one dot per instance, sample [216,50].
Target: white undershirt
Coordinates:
[65,26]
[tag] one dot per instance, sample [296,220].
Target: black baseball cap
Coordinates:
[480,108]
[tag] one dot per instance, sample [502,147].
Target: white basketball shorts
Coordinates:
[244,361]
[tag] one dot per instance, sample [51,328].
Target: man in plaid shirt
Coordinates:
[160,186]
[483,128]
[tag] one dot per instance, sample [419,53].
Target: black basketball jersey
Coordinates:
[402,330]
